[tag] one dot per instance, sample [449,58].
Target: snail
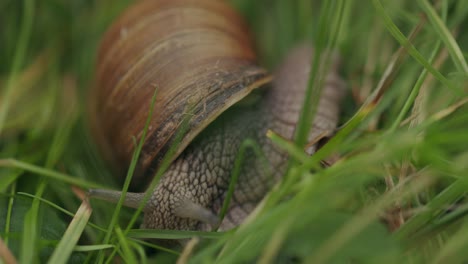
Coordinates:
[199,57]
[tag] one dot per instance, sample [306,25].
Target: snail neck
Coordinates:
[192,191]
[216,150]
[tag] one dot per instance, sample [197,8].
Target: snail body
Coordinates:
[208,47]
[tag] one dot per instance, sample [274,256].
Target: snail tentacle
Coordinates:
[188,209]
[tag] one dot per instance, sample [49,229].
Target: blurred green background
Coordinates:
[416,132]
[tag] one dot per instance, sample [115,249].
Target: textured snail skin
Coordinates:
[199,56]
[199,177]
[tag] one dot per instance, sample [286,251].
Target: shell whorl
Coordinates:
[197,54]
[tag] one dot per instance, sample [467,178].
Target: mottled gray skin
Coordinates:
[191,192]
[200,175]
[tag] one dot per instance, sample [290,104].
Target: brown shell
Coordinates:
[199,57]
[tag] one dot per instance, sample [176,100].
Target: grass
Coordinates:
[397,194]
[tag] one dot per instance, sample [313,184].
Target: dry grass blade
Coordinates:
[188,250]
[29,77]
[447,111]
[69,240]
[5,254]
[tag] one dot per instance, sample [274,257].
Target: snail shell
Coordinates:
[199,58]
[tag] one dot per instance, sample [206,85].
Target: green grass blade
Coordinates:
[58,208]
[396,33]
[28,253]
[48,173]
[435,206]
[314,87]
[8,219]
[456,244]
[165,163]
[415,91]
[363,218]
[172,234]
[246,144]
[20,54]
[445,36]
[129,176]
[92,247]
[128,254]
[154,246]
[288,146]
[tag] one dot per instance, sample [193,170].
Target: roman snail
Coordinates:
[199,57]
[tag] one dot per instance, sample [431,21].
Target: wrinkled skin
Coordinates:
[191,192]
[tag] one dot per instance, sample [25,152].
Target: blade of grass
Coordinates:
[324,41]
[277,237]
[128,179]
[9,179]
[188,251]
[445,35]
[456,243]
[11,201]
[364,217]
[415,91]
[140,250]
[21,48]
[369,105]
[153,246]
[128,255]
[33,220]
[443,221]
[447,111]
[309,106]
[63,132]
[343,30]
[303,14]
[246,144]
[435,207]
[396,33]
[92,248]
[337,23]
[273,247]
[288,146]
[55,206]
[48,173]
[162,168]
[173,234]
[69,240]
[28,252]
